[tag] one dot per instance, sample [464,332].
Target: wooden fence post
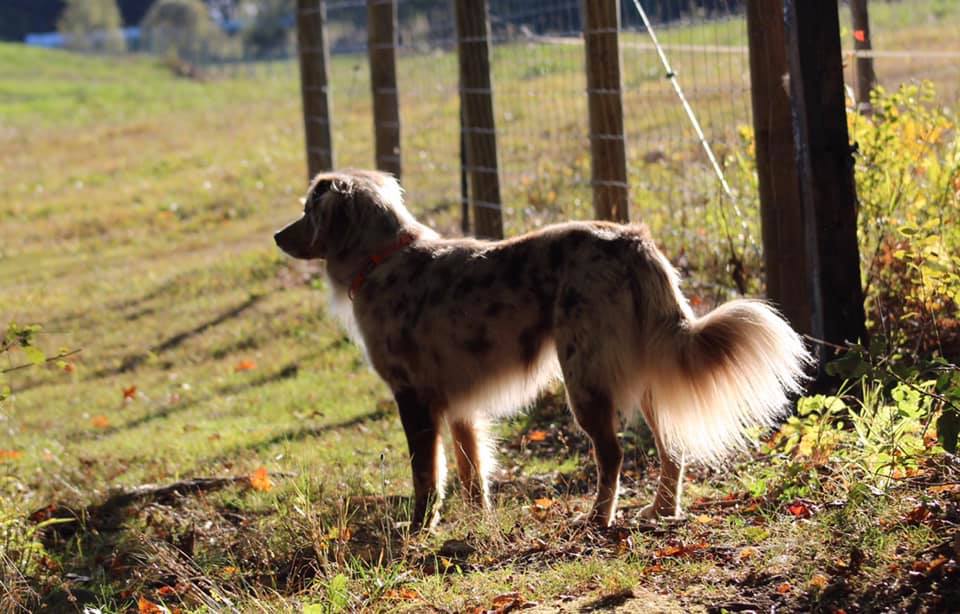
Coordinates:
[477,119]
[866,77]
[825,161]
[314,57]
[601,30]
[381,46]
[781,210]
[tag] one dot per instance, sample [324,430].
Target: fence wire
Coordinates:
[540,103]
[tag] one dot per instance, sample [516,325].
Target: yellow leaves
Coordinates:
[260,480]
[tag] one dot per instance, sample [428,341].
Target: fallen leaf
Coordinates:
[402,594]
[537,436]
[260,480]
[799,509]
[6,455]
[508,601]
[129,393]
[681,550]
[245,365]
[166,591]
[944,488]
[543,503]
[69,367]
[784,588]
[145,606]
[747,553]
[918,514]
[100,422]
[936,564]
[230,570]
[819,581]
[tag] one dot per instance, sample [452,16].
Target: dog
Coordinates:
[466,331]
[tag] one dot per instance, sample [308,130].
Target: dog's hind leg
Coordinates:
[473,460]
[666,503]
[426,458]
[594,411]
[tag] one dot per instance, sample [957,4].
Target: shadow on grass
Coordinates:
[135,360]
[299,434]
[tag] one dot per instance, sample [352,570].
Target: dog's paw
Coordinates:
[652,513]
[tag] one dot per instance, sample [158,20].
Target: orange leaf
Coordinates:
[508,601]
[166,591]
[670,551]
[260,480]
[6,455]
[230,570]
[799,509]
[544,503]
[402,594]
[69,367]
[860,35]
[819,581]
[784,588]
[129,393]
[536,436]
[245,365]
[681,550]
[100,422]
[145,606]
[936,564]
[748,553]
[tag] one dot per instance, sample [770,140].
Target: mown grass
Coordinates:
[137,211]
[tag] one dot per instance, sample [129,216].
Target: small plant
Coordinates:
[908,186]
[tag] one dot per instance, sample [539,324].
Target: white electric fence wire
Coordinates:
[672,77]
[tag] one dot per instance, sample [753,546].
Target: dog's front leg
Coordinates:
[426,458]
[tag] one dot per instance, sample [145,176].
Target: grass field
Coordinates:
[136,220]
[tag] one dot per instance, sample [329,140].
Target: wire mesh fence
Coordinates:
[540,102]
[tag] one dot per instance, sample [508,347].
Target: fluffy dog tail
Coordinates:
[718,375]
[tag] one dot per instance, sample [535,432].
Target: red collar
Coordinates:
[377,258]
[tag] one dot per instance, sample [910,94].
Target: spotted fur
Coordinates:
[465,332]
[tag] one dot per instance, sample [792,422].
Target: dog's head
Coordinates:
[345,212]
